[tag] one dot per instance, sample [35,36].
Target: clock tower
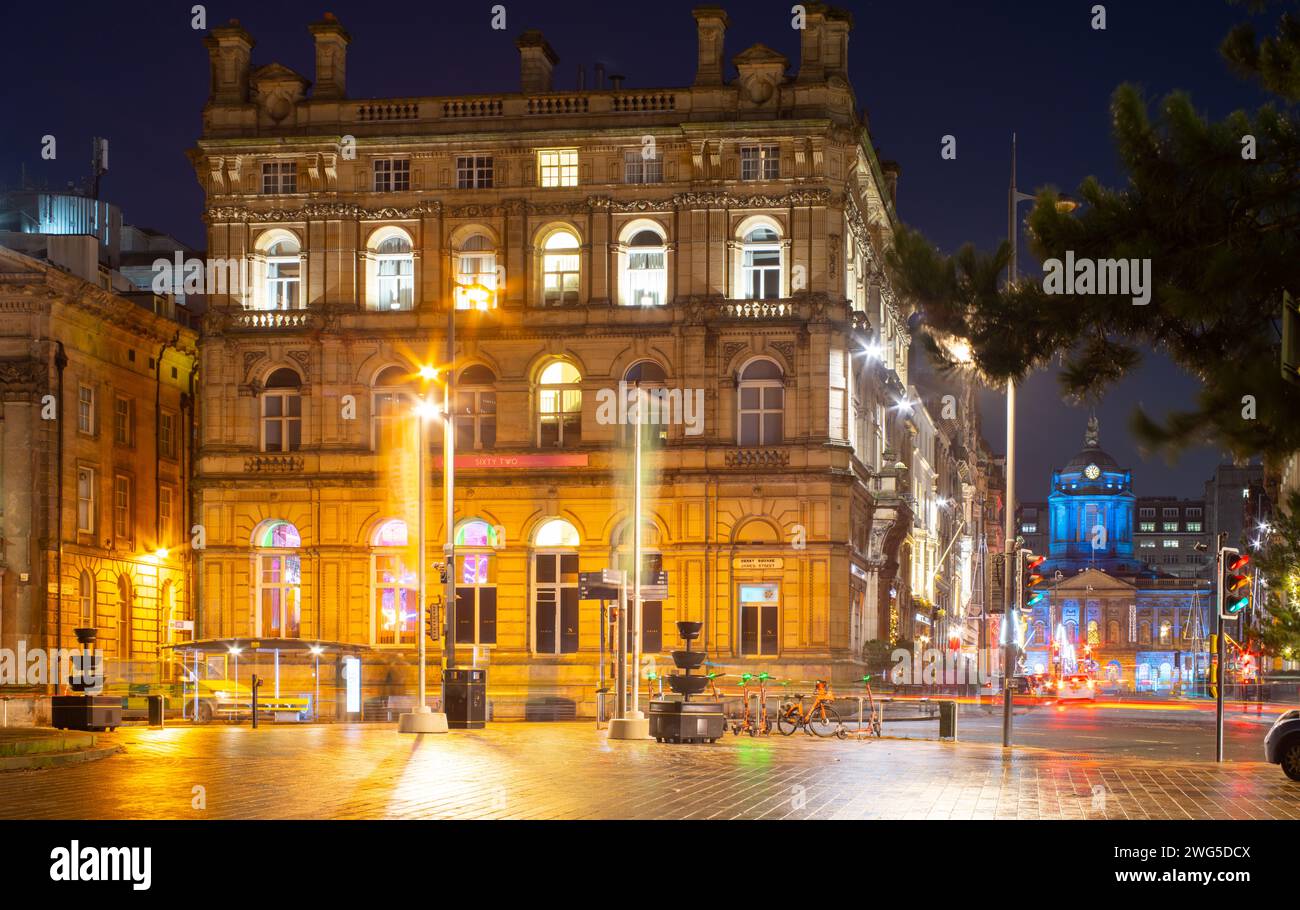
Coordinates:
[1091,511]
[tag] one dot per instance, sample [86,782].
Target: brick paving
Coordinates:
[569,771]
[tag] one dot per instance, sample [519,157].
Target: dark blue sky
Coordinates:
[136,72]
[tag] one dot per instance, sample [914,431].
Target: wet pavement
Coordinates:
[569,771]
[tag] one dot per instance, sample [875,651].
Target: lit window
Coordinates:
[396,586]
[165,511]
[559,406]
[1147,544]
[396,274]
[1194,527]
[476,409]
[279,177]
[282,412]
[476,274]
[760,162]
[1029,529]
[761,265]
[555,588]
[647,274]
[560,269]
[86,596]
[283,275]
[475,580]
[761,397]
[279,580]
[1170,527]
[557,167]
[392,175]
[474,172]
[639,169]
[86,500]
[1170,543]
[1147,526]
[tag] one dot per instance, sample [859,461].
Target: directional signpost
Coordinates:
[611,584]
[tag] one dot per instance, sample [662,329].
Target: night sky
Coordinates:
[136,73]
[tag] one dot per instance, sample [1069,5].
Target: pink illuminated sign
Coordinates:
[517,461]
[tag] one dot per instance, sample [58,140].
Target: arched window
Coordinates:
[476,274]
[555,588]
[646,374]
[476,583]
[284,275]
[391,411]
[1040,634]
[760,266]
[86,600]
[1166,633]
[279,579]
[395,585]
[124,611]
[647,270]
[560,269]
[559,406]
[761,404]
[395,273]
[1144,633]
[1094,632]
[282,412]
[167,608]
[1112,633]
[476,408]
[652,563]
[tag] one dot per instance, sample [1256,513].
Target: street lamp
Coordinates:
[424,719]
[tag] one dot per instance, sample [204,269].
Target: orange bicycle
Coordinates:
[821,719]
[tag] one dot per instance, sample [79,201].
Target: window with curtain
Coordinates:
[559,406]
[476,274]
[560,269]
[395,274]
[760,267]
[647,272]
[283,275]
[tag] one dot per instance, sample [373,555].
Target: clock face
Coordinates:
[1092,472]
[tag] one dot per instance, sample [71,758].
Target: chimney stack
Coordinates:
[599,83]
[230,49]
[537,61]
[835,42]
[616,82]
[710,30]
[332,42]
[811,67]
[891,171]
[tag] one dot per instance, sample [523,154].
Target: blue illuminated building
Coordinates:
[1133,625]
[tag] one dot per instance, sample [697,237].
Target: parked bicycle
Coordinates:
[820,719]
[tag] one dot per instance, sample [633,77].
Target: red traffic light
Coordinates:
[1239,563]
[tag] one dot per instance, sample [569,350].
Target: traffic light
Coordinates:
[1030,580]
[1235,586]
[442,571]
[432,620]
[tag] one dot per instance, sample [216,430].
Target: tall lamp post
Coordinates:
[1014,198]
[424,719]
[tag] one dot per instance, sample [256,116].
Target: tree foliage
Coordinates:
[1221,230]
[1279,562]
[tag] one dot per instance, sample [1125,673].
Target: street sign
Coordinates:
[182,625]
[607,583]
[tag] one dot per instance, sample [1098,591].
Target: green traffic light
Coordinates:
[1238,605]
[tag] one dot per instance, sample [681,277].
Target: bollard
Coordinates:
[948,720]
[257,681]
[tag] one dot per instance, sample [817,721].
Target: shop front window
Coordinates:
[555,588]
[279,580]
[396,586]
[476,588]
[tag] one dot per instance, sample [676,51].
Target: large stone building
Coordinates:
[725,237]
[1142,627]
[96,418]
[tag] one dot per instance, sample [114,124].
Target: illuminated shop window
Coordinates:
[395,583]
[279,580]
[475,580]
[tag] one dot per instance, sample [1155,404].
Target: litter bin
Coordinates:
[948,720]
[155,703]
[466,698]
[602,706]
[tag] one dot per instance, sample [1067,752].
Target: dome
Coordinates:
[1091,453]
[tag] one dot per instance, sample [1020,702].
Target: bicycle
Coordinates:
[821,719]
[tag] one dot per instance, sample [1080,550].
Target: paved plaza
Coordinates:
[570,771]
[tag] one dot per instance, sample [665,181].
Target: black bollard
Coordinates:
[257,682]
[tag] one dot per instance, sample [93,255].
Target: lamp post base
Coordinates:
[629,728]
[422,720]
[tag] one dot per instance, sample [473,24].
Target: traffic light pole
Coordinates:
[1009,528]
[1219,676]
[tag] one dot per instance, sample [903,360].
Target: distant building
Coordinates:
[1169,532]
[1107,610]
[1226,499]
